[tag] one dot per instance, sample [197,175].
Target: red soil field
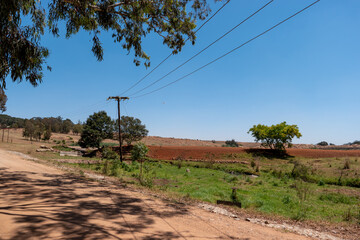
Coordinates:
[203,153]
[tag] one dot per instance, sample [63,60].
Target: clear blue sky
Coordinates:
[305,72]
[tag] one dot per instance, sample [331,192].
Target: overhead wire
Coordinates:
[164,60]
[222,56]
[101,103]
[204,49]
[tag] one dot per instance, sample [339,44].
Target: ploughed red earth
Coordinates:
[204,153]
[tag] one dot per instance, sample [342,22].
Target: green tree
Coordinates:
[131,129]
[29,130]
[66,126]
[98,126]
[23,22]
[277,136]
[47,134]
[77,129]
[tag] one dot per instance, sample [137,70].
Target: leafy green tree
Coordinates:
[47,134]
[66,126]
[277,136]
[77,129]
[23,22]
[131,129]
[38,132]
[29,130]
[98,126]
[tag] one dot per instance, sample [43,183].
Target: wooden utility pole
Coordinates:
[118,99]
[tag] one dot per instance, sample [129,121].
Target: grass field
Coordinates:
[269,191]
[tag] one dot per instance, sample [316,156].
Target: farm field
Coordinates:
[313,187]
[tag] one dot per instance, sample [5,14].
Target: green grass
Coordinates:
[268,193]
[107,144]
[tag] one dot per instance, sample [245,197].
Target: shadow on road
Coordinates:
[50,206]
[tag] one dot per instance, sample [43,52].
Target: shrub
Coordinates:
[234,197]
[231,143]
[323,143]
[252,164]
[108,153]
[347,164]
[286,200]
[300,171]
[321,183]
[138,153]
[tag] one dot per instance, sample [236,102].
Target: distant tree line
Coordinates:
[38,128]
[56,125]
[13,122]
[356,142]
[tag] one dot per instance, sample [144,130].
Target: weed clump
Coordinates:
[300,171]
[347,164]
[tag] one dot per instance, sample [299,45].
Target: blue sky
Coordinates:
[305,72]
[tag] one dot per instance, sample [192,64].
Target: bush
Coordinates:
[108,153]
[300,171]
[231,143]
[347,164]
[323,143]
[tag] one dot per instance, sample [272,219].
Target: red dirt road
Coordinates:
[192,152]
[41,202]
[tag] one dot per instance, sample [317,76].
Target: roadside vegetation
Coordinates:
[295,188]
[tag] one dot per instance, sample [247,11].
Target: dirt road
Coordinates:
[41,202]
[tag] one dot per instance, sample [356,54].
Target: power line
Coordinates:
[204,49]
[245,43]
[101,103]
[139,81]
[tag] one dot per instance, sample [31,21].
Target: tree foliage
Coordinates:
[231,143]
[35,129]
[77,129]
[21,54]
[3,100]
[139,151]
[98,126]
[57,125]
[23,22]
[277,136]
[131,129]
[322,143]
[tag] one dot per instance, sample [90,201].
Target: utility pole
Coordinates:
[118,99]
